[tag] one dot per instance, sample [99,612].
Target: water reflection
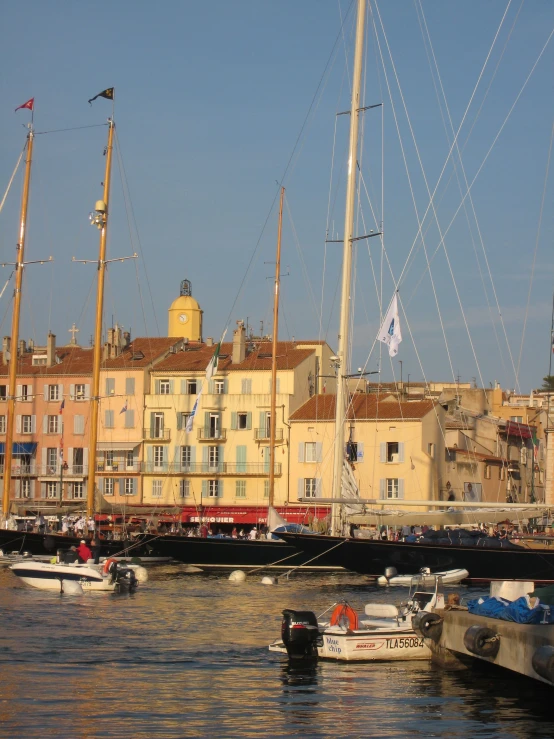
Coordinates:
[186,656]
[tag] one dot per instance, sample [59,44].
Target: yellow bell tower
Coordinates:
[185,316]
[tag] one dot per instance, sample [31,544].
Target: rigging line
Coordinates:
[302,261]
[74,128]
[459,127]
[430,50]
[470,186]
[393,107]
[13,176]
[473,205]
[539,226]
[141,250]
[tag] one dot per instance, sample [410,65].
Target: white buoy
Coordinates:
[237,576]
[72,587]
[267,580]
[141,573]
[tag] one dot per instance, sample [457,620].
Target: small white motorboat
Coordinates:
[111,576]
[449,577]
[383,632]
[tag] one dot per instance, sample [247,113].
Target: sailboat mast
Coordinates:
[102,215]
[19,264]
[273,413]
[343,338]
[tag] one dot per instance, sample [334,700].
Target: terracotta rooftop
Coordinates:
[477,455]
[363,407]
[258,357]
[141,352]
[72,360]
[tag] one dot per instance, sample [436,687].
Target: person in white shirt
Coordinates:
[253,534]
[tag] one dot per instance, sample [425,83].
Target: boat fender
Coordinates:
[107,565]
[482,641]
[543,662]
[237,576]
[428,625]
[344,614]
[141,573]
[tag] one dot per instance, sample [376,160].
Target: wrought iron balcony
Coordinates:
[205,434]
[263,434]
[156,434]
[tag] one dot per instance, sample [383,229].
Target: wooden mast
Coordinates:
[343,337]
[14,339]
[273,411]
[101,221]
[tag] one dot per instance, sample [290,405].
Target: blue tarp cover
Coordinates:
[521,611]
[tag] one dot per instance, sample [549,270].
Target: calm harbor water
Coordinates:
[186,656]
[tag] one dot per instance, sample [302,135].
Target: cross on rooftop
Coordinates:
[73,330]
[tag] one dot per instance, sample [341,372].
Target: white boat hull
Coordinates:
[449,577]
[46,576]
[388,645]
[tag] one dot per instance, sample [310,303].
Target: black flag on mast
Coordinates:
[104,94]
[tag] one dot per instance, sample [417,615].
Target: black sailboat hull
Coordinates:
[371,557]
[222,553]
[34,543]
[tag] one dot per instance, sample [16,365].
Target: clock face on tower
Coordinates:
[183,318]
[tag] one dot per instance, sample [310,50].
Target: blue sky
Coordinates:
[211,101]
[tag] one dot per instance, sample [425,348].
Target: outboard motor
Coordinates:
[125,579]
[390,572]
[300,634]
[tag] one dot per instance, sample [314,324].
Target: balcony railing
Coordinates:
[263,434]
[225,468]
[156,434]
[205,434]
[38,470]
[119,467]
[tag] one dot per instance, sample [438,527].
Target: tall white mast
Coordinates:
[343,338]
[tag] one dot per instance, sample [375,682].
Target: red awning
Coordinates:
[521,430]
[233,514]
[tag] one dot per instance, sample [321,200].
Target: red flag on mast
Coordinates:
[30,104]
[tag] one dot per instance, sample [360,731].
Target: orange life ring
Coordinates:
[343,612]
[107,565]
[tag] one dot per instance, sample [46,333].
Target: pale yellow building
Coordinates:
[396,449]
[222,462]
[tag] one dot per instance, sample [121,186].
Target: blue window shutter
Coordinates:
[204,488]
[383,449]
[300,487]
[301,447]
[382,488]
[205,459]
[233,421]
[401,488]
[401,451]
[318,450]
[360,452]
[249,421]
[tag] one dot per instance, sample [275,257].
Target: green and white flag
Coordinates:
[211,369]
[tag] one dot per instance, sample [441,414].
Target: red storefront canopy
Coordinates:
[521,430]
[232,514]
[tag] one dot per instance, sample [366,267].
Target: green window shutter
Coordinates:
[205,459]
[221,458]
[301,457]
[193,457]
[183,387]
[152,424]
[383,451]
[171,387]
[220,489]
[179,421]
[204,488]
[401,488]
[318,450]
[300,487]
[241,458]
[401,451]
[149,455]
[225,386]
[266,459]
[157,387]
[382,489]
[249,421]
[234,421]
[263,416]
[177,457]
[207,423]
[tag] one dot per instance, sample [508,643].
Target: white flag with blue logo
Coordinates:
[390,333]
[190,419]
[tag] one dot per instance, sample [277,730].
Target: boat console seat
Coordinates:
[381,610]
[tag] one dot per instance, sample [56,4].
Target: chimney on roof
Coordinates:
[31,345]
[209,341]
[22,347]
[239,343]
[50,349]
[5,349]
